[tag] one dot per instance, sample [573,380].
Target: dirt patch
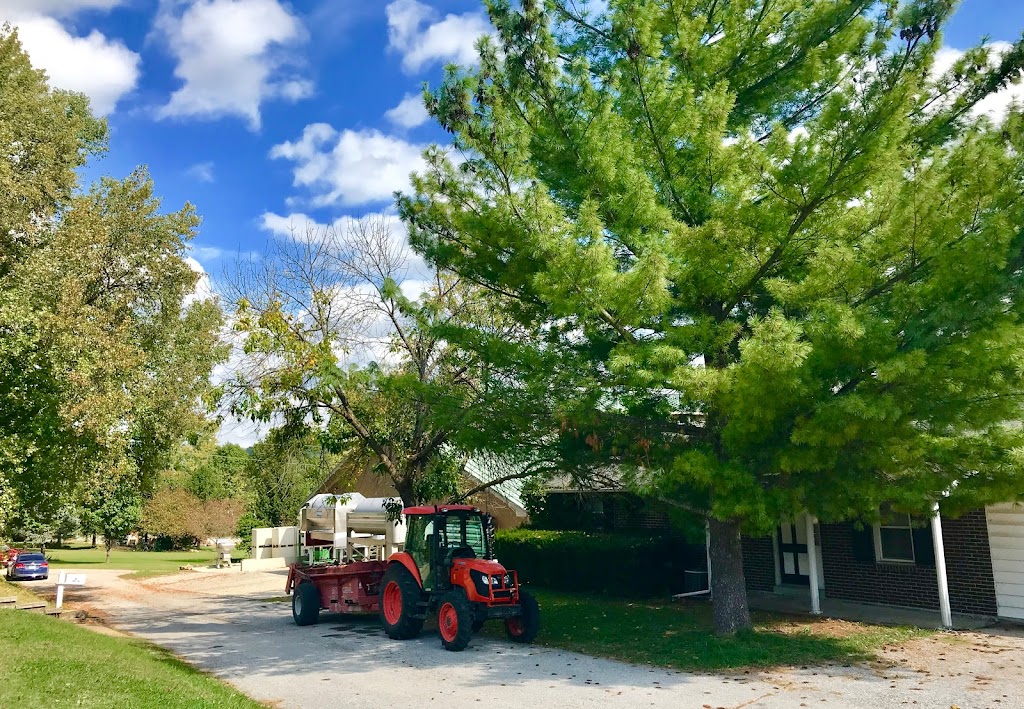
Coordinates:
[983,657]
[826,626]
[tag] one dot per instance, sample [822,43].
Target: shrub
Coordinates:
[625,565]
[180,516]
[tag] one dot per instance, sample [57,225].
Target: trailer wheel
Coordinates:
[305,604]
[524,628]
[455,620]
[400,599]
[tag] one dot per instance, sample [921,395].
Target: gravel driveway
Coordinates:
[223,623]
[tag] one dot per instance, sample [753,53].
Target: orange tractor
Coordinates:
[448,568]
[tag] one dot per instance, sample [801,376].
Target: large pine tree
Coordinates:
[771,250]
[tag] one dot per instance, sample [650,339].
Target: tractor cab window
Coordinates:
[419,542]
[465,531]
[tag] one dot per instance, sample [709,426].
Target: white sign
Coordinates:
[66,579]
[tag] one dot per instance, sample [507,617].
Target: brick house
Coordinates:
[892,563]
[978,566]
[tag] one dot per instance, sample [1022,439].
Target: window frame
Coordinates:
[909,528]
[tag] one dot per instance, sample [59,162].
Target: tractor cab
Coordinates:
[441,538]
[448,566]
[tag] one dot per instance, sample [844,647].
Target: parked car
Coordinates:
[28,565]
[7,554]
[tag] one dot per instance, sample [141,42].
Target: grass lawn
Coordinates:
[24,596]
[142,561]
[679,636]
[53,663]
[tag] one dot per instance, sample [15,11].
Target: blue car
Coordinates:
[28,565]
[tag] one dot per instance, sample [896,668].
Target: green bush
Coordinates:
[624,565]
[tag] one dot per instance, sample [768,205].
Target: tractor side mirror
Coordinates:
[489,527]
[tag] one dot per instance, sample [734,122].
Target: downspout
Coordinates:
[812,560]
[940,568]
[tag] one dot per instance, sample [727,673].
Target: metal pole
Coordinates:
[940,568]
[707,550]
[812,560]
[60,589]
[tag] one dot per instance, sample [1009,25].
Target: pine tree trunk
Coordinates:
[728,586]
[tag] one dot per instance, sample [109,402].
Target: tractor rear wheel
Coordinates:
[524,628]
[455,620]
[401,613]
[305,604]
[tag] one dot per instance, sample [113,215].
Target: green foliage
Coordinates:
[54,133]
[623,565]
[205,469]
[335,342]
[284,471]
[113,509]
[221,475]
[103,362]
[770,259]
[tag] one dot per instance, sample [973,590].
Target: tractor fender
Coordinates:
[405,559]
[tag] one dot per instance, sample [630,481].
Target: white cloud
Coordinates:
[352,167]
[298,225]
[409,113]
[422,38]
[207,253]
[232,56]
[201,171]
[996,105]
[101,68]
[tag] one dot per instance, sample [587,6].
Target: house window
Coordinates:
[894,538]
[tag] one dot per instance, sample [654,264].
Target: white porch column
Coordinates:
[940,568]
[812,560]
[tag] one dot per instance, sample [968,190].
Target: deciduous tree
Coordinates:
[104,361]
[333,342]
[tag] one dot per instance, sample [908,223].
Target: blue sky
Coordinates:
[264,112]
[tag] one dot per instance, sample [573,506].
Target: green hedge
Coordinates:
[625,565]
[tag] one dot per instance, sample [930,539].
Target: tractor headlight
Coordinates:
[481,582]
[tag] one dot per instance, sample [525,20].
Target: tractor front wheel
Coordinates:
[305,604]
[524,628]
[400,599]
[455,620]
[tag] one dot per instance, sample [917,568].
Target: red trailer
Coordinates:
[336,588]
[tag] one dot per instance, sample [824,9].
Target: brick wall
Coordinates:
[968,570]
[759,563]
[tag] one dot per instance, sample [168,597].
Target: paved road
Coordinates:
[223,623]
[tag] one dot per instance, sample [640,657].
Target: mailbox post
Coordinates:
[66,579]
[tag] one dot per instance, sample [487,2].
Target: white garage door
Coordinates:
[1006,539]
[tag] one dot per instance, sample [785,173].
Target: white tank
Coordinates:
[321,512]
[349,520]
[370,516]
